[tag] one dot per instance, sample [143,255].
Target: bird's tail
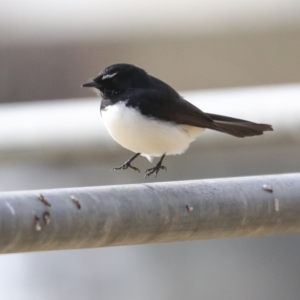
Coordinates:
[238,127]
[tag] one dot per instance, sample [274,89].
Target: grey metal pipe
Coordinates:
[149,213]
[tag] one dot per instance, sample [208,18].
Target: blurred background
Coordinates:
[237,58]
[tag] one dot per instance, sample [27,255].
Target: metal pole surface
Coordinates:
[149,213]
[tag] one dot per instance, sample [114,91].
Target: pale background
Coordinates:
[49,48]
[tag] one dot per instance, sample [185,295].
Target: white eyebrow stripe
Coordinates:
[109,76]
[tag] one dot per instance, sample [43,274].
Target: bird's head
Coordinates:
[119,78]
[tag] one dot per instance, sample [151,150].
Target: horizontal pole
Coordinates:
[19,133]
[149,213]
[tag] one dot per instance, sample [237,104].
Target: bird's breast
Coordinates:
[143,134]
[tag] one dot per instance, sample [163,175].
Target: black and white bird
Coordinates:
[147,116]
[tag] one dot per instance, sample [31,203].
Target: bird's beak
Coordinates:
[91,84]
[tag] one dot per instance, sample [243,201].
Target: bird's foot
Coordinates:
[125,166]
[154,170]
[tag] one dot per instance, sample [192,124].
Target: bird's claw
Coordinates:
[154,170]
[126,166]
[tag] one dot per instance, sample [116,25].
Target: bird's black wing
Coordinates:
[171,107]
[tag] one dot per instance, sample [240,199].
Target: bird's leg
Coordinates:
[156,169]
[127,164]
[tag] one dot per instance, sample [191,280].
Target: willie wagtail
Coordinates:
[147,116]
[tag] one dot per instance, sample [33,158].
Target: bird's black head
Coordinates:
[119,78]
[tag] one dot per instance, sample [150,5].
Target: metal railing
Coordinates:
[149,213]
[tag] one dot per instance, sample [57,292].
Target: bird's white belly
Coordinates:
[150,137]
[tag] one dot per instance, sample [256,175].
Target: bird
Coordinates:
[148,117]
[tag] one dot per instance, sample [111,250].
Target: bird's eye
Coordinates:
[115,80]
